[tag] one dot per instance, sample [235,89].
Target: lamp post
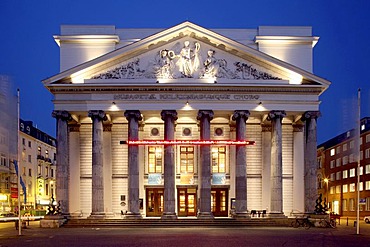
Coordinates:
[326,180]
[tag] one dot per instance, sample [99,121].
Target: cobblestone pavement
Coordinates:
[343,235]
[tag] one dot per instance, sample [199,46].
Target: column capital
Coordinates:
[276,114]
[97,114]
[63,115]
[170,113]
[241,114]
[311,115]
[136,114]
[205,114]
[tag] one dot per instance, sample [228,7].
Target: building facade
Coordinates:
[133,106]
[338,171]
[37,166]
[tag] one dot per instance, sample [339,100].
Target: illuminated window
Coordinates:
[39,150]
[218,159]
[367,153]
[361,185]
[332,152]
[186,159]
[345,188]
[345,174]
[367,169]
[352,187]
[367,185]
[352,172]
[155,159]
[361,170]
[46,154]
[337,189]
[332,188]
[344,205]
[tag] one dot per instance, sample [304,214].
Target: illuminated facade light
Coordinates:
[187,142]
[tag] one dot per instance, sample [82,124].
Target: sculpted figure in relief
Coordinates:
[165,65]
[189,60]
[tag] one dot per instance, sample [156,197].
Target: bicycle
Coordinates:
[302,222]
[328,223]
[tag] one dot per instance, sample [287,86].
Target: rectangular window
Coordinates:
[29,158]
[30,172]
[367,138]
[345,188]
[352,172]
[46,172]
[51,172]
[352,187]
[219,159]
[345,160]
[367,169]
[332,188]
[29,144]
[361,155]
[367,153]
[155,159]
[351,144]
[39,150]
[344,205]
[47,189]
[337,150]
[332,152]
[337,162]
[367,206]
[332,176]
[186,159]
[46,154]
[351,204]
[332,162]
[361,170]
[344,174]
[39,170]
[23,141]
[351,158]
[367,185]
[338,176]
[345,147]
[337,189]
[361,184]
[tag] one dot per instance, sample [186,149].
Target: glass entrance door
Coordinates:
[219,199]
[154,201]
[187,198]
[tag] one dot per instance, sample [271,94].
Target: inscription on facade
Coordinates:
[207,97]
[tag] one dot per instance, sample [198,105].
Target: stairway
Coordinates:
[158,223]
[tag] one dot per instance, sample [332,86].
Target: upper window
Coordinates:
[155,159]
[345,147]
[218,159]
[186,159]
[332,152]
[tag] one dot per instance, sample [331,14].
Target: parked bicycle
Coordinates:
[328,223]
[302,222]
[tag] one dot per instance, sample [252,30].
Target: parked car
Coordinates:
[367,219]
[8,214]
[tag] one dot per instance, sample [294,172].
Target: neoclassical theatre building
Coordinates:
[186,121]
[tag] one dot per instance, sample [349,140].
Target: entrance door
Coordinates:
[154,201]
[187,201]
[219,199]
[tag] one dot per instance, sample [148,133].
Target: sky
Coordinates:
[28,53]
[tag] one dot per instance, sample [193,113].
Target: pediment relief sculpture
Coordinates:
[186,61]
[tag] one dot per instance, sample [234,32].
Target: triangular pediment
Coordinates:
[187,52]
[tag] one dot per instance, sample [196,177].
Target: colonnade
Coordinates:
[169,117]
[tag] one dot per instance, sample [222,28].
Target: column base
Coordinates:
[241,215]
[276,215]
[133,216]
[169,216]
[101,215]
[205,216]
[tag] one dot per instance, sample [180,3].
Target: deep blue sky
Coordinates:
[29,54]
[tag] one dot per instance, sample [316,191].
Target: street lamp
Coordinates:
[326,180]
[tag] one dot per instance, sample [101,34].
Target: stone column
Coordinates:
[266,166]
[97,117]
[62,167]
[310,160]
[169,117]
[205,117]
[276,206]
[298,170]
[241,165]
[133,117]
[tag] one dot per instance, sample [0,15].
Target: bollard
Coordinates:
[347,221]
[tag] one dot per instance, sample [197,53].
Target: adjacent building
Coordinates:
[338,171]
[37,166]
[147,121]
